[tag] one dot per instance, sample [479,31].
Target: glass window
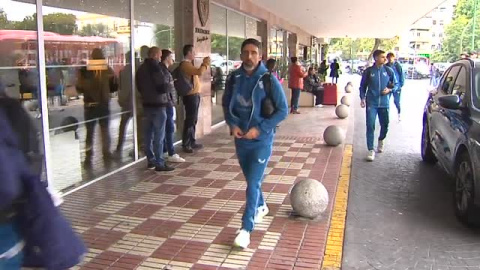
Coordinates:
[251,26]
[88,87]
[219,57]
[449,79]
[19,76]
[236,35]
[460,86]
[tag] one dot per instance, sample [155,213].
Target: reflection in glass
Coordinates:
[85,51]
[219,66]
[236,35]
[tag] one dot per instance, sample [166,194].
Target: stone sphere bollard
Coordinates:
[342,111]
[349,88]
[346,100]
[309,198]
[333,136]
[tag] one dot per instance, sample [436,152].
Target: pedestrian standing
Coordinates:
[154,89]
[296,75]
[254,104]
[377,85]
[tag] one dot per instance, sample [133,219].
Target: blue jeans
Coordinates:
[371,116]
[253,157]
[295,98]
[154,133]
[396,99]
[169,132]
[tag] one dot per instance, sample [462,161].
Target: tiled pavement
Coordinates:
[187,219]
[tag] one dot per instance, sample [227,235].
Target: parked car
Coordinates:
[451,134]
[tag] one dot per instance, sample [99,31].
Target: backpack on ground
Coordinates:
[181,83]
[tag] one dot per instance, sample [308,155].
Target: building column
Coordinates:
[292,45]
[192,26]
[264,33]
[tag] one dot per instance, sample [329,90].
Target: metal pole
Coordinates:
[132,83]
[474,23]
[351,56]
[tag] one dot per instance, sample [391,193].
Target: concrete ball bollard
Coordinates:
[333,136]
[342,111]
[309,198]
[346,100]
[349,88]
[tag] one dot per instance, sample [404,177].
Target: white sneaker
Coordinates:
[319,106]
[381,146]
[175,159]
[242,240]
[262,211]
[371,155]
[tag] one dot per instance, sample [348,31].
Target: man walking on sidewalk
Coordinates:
[377,85]
[395,66]
[254,104]
[154,87]
[192,100]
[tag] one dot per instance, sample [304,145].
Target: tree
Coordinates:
[376,46]
[61,23]
[99,29]
[4,23]
[458,33]
[352,48]
[164,36]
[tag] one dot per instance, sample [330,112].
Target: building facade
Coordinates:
[42,58]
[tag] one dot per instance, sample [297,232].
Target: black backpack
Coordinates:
[181,83]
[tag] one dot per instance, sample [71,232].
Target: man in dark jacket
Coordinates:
[154,87]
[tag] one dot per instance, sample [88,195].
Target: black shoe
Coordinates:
[164,168]
[197,146]
[188,150]
[150,166]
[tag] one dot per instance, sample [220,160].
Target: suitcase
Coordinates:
[330,94]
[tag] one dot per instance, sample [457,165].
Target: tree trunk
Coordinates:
[377,44]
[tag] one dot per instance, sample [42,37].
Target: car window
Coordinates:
[447,83]
[460,86]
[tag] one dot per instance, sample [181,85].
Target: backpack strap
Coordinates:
[267,83]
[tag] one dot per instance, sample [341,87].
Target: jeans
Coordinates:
[253,157]
[396,100]
[154,134]
[318,96]
[371,116]
[169,132]
[295,98]
[94,114]
[126,116]
[191,103]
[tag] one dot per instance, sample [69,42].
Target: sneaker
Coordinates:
[261,213]
[150,166]
[197,146]
[187,150]
[371,155]
[164,168]
[381,146]
[175,159]
[242,240]
[399,118]
[319,106]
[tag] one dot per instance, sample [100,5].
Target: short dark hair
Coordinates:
[187,48]
[294,59]
[271,62]
[165,55]
[377,53]
[390,54]
[252,41]
[152,51]
[310,69]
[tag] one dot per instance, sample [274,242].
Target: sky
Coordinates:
[16,11]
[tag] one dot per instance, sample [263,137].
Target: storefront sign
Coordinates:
[202,31]
[203,7]
[202,39]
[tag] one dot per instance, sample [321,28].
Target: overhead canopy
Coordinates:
[351,18]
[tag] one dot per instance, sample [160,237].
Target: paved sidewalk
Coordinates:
[187,219]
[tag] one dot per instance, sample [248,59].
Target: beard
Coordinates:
[249,66]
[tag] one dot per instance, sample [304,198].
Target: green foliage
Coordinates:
[164,36]
[60,23]
[98,30]
[353,48]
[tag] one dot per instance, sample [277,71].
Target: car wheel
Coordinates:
[464,194]
[427,152]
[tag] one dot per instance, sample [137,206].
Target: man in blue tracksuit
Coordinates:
[397,68]
[377,85]
[253,131]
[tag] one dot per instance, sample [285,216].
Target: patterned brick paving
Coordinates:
[187,219]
